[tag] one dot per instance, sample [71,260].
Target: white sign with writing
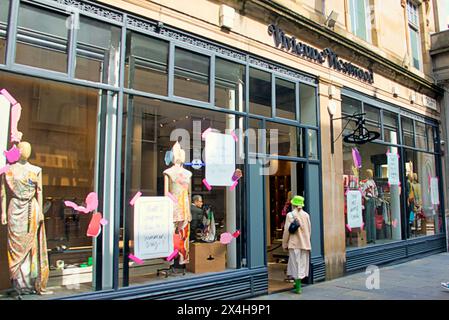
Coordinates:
[220,159]
[153,227]
[434,191]
[430,102]
[393,168]
[5,109]
[354,208]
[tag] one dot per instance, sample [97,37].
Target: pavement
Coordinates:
[418,279]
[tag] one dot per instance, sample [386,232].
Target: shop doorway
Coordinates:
[284,182]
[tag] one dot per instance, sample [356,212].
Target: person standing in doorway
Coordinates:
[298,243]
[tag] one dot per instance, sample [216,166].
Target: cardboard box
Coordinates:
[207,257]
[360,238]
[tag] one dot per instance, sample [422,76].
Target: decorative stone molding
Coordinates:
[92,9]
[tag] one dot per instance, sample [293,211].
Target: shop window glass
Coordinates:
[308,105]
[4,14]
[421,139]
[407,132]
[42,39]
[430,138]
[380,209]
[312,136]
[423,211]
[284,140]
[255,135]
[350,106]
[60,123]
[260,92]
[285,99]
[372,117]
[229,85]
[153,126]
[390,120]
[98,51]
[147,61]
[191,75]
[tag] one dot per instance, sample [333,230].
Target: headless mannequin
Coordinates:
[369,191]
[27,244]
[177,181]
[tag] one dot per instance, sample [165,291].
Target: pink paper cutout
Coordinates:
[134,199]
[362,226]
[226,238]
[207,184]
[356,158]
[172,197]
[12,155]
[394,223]
[91,204]
[234,185]
[135,259]
[94,228]
[236,234]
[205,133]
[348,227]
[16,135]
[234,136]
[8,96]
[172,255]
[4,169]
[104,222]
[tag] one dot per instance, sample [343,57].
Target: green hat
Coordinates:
[298,201]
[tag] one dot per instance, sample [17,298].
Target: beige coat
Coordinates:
[301,238]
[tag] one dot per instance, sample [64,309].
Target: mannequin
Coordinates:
[27,243]
[410,193]
[417,191]
[177,181]
[369,191]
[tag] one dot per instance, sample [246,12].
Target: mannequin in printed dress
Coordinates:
[27,243]
[369,191]
[177,181]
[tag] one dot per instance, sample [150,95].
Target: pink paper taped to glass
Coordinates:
[8,96]
[4,169]
[91,204]
[16,111]
[135,259]
[12,155]
[172,255]
[134,199]
[207,184]
[94,228]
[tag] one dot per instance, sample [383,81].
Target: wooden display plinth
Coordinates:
[207,257]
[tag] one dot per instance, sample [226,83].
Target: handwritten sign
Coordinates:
[5,109]
[434,192]
[354,207]
[153,227]
[220,159]
[393,168]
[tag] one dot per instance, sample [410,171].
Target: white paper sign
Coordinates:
[5,109]
[393,168]
[354,208]
[153,227]
[434,192]
[220,159]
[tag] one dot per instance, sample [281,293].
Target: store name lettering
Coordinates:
[290,44]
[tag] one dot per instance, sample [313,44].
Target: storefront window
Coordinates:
[285,99]
[98,51]
[229,85]
[408,132]
[60,123]
[4,13]
[260,92]
[423,211]
[313,144]
[49,34]
[147,60]
[421,139]
[390,122]
[430,138]
[191,75]
[307,104]
[153,126]
[284,140]
[377,218]
[372,117]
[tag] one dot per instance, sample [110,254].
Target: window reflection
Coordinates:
[229,85]
[260,92]
[285,99]
[4,13]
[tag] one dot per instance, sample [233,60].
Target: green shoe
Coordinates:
[298,286]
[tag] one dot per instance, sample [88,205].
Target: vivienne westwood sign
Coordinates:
[290,44]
